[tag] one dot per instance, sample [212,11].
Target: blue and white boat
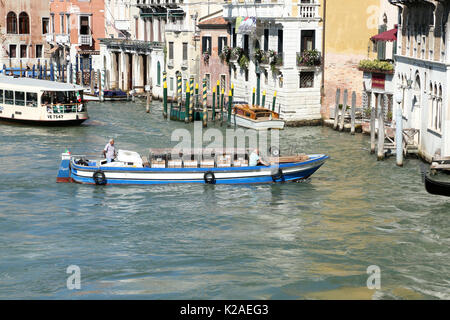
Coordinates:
[161,167]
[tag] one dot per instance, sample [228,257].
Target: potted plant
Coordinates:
[259,55]
[225,55]
[309,58]
[376,66]
[206,57]
[236,53]
[244,62]
[275,60]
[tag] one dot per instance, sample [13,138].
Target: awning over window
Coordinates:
[390,35]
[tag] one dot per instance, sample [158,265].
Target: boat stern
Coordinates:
[64,168]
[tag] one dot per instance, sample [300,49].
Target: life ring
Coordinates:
[209,178]
[274,151]
[99,178]
[278,176]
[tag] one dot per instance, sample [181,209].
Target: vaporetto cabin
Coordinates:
[41,102]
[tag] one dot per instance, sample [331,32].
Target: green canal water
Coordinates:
[310,240]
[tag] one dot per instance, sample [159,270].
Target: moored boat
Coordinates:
[164,167]
[108,95]
[256,117]
[41,102]
[437,179]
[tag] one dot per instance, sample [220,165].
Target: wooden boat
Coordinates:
[255,117]
[206,166]
[41,102]
[437,186]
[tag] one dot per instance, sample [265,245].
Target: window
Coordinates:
[222,42]
[206,45]
[23,50]
[12,51]
[11,23]
[20,98]
[9,97]
[185,51]
[171,50]
[24,23]
[31,99]
[246,39]
[61,18]
[68,24]
[84,25]
[171,84]
[306,79]
[45,25]
[280,40]
[1,97]
[308,40]
[184,85]
[208,81]
[234,40]
[53,23]
[266,39]
[39,51]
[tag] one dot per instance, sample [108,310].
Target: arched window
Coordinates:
[24,23]
[11,23]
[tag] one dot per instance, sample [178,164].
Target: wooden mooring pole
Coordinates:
[372,129]
[343,111]
[399,136]
[336,108]
[380,151]
[352,128]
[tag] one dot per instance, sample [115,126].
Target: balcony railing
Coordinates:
[49,37]
[178,28]
[170,63]
[62,39]
[184,64]
[309,10]
[309,58]
[85,39]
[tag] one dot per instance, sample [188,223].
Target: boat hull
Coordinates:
[49,123]
[289,172]
[257,125]
[437,187]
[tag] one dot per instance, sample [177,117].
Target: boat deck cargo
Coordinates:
[209,167]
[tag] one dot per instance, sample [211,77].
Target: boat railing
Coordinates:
[65,108]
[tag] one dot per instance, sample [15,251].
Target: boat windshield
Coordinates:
[63,101]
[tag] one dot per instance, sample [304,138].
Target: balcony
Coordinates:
[49,37]
[133,45]
[309,59]
[184,64]
[85,40]
[263,9]
[123,25]
[309,11]
[170,63]
[178,28]
[62,39]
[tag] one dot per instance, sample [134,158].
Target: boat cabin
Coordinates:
[27,99]
[254,112]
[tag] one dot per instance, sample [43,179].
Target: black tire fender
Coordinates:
[209,177]
[278,176]
[99,178]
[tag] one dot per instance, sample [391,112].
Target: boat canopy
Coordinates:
[35,85]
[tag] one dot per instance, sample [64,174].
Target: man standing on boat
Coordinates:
[255,159]
[110,151]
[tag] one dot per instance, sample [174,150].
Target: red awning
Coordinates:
[390,35]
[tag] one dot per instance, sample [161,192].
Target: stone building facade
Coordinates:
[422,73]
[23,28]
[75,30]
[347,32]
[280,32]
[215,30]
[132,52]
